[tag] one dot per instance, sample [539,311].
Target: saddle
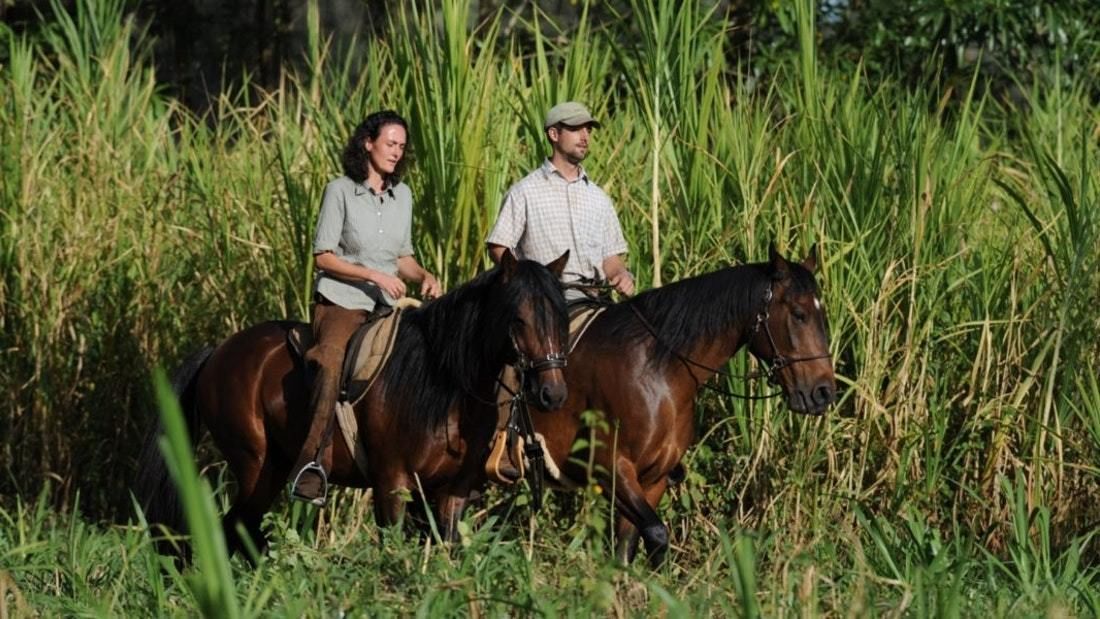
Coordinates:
[368,350]
[508,438]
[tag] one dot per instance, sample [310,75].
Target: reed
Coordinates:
[957,475]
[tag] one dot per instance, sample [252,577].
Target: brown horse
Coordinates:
[643,361]
[420,419]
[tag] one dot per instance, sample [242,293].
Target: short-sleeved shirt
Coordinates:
[365,228]
[543,215]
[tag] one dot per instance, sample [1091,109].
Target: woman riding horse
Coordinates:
[425,422]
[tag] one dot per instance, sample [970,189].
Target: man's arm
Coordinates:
[409,269]
[618,275]
[496,251]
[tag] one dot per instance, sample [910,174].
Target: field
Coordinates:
[958,475]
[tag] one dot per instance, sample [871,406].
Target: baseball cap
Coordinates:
[570,113]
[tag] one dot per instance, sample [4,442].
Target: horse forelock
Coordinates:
[536,285]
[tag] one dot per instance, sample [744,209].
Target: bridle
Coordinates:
[778,361]
[553,360]
[520,421]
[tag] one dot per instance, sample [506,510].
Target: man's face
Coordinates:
[387,150]
[572,142]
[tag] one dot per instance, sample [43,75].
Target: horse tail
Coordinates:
[153,489]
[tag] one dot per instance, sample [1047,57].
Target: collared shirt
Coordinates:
[365,228]
[543,215]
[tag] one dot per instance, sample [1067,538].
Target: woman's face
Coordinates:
[387,149]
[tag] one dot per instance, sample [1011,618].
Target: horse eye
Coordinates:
[799,315]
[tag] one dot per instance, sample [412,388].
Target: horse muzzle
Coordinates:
[814,400]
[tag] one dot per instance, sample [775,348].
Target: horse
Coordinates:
[421,422]
[643,360]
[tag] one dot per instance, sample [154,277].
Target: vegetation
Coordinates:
[958,475]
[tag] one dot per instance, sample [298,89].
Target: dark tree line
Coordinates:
[203,47]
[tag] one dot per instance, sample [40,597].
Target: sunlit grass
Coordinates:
[957,475]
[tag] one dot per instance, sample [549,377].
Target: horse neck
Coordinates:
[710,316]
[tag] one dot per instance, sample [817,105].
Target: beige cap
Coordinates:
[571,114]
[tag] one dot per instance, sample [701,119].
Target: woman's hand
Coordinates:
[429,287]
[389,284]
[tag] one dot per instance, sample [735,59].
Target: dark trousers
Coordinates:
[333,326]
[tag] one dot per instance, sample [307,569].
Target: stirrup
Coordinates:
[320,499]
[501,466]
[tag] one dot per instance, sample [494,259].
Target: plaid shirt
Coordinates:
[543,215]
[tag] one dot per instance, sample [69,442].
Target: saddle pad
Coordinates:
[581,317]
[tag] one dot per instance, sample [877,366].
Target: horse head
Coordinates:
[539,326]
[790,335]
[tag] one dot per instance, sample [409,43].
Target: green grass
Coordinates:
[957,475]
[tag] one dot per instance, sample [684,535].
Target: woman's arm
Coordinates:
[338,267]
[409,269]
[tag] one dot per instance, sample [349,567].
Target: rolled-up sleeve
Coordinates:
[407,242]
[511,221]
[330,222]
[614,243]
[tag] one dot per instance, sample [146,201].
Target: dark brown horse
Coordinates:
[643,361]
[418,422]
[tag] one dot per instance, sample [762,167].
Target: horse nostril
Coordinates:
[823,394]
[551,398]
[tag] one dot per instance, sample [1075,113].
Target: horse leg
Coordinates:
[450,505]
[257,487]
[390,493]
[632,501]
[626,536]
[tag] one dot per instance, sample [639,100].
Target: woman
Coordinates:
[362,251]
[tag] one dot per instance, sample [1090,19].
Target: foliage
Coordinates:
[957,474]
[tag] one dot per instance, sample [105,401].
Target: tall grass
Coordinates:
[957,474]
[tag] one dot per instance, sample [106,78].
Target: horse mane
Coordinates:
[700,307]
[452,346]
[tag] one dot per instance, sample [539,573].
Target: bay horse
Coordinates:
[420,419]
[642,363]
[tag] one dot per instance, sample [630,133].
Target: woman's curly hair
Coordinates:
[355,153]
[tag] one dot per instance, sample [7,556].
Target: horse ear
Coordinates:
[777,264]
[557,267]
[508,263]
[811,259]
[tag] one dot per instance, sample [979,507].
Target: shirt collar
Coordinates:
[387,188]
[549,170]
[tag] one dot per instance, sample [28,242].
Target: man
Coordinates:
[551,210]
[557,207]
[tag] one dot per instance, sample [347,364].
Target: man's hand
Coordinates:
[623,281]
[429,287]
[390,285]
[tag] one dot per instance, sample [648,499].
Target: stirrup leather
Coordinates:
[322,498]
